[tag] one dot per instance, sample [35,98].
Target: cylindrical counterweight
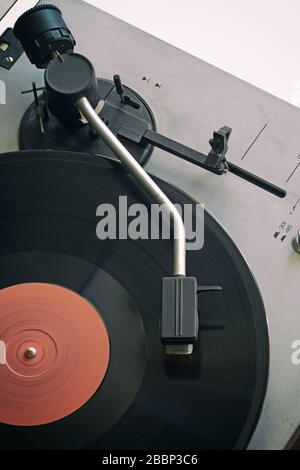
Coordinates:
[68,78]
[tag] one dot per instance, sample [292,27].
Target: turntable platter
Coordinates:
[209,400]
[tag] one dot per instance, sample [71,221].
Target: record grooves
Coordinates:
[147,399]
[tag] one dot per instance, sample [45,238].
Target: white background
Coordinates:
[256,40]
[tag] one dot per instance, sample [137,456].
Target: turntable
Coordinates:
[122,342]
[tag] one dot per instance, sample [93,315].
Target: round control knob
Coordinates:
[296,242]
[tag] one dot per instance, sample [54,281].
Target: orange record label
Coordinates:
[54,353]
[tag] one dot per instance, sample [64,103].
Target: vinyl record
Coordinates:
[140,397]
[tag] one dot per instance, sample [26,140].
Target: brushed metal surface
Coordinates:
[5,6]
[11,11]
[194,99]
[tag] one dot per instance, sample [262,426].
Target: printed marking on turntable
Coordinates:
[294,170]
[136,222]
[295,207]
[254,141]
[285,228]
[282,232]
[295,358]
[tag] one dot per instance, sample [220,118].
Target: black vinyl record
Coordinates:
[148,400]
